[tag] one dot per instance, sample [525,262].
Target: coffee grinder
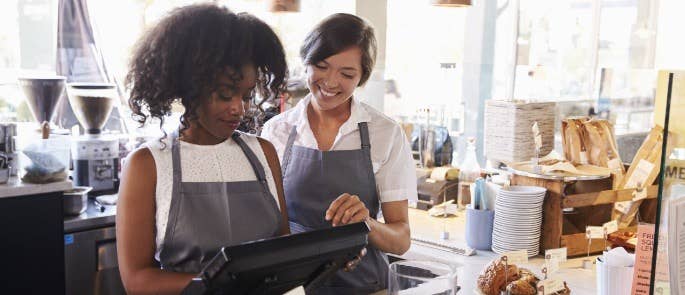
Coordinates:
[42,95]
[95,155]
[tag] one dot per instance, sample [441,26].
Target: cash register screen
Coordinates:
[277,265]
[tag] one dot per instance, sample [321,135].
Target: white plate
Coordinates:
[523,189]
[503,218]
[528,240]
[512,231]
[517,223]
[527,237]
[520,231]
[519,204]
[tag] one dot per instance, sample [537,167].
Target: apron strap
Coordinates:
[254,161]
[364,135]
[175,154]
[288,149]
[176,160]
[366,149]
[176,192]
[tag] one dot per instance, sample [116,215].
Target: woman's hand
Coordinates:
[347,209]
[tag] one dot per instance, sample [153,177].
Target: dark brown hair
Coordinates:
[337,33]
[182,56]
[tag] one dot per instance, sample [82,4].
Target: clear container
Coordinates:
[469,171]
[422,277]
[44,160]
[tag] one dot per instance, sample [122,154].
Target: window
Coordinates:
[26,46]
[555,50]
[134,16]
[424,62]
[596,53]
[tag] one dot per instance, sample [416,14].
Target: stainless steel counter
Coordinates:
[15,187]
[91,219]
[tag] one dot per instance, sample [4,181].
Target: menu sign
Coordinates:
[559,254]
[643,259]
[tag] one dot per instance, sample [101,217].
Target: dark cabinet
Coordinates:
[32,244]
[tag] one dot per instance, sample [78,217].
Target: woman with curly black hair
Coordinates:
[186,195]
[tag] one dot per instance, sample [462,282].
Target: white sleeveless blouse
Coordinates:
[223,162]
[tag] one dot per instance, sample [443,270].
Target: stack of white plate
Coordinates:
[518,219]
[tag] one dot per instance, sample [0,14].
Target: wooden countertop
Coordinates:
[579,280]
[15,187]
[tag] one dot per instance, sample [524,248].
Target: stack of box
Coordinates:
[508,129]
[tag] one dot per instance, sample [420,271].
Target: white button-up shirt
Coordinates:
[391,157]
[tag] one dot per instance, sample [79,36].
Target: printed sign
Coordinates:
[549,286]
[623,207]
[594,232]
[559,254]
[611,227]
[550,267]
[641,173]
[517,257]
[639,194]
[643,259]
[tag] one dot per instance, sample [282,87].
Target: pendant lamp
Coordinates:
[451,3]
[284,5]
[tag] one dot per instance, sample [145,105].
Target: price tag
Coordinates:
[623,207]
[583,158]
[517,257]
[639,194]
[551,266]
[594,232]
[611,227]
[549,286]
[559,254]
[615,165]
[640,174]
[537,136]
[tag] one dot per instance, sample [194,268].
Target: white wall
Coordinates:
[375,12]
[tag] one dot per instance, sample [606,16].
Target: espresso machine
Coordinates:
[95,155]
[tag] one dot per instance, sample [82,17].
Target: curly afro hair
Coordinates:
[181,57]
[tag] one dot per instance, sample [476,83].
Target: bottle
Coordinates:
[469,171]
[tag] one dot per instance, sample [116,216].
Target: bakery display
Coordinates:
[515,280]
[591,141]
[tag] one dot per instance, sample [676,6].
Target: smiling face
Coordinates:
[221,113]
[333,80]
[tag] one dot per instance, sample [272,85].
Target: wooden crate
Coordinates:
[592,202]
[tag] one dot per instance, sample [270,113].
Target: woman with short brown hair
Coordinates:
[342,160]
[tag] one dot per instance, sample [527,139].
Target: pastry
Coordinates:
[521,287]
[494,279]
[519,281]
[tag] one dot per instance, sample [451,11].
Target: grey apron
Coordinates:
[205,216]
[312,179]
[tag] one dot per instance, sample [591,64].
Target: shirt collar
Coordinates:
[358,114]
